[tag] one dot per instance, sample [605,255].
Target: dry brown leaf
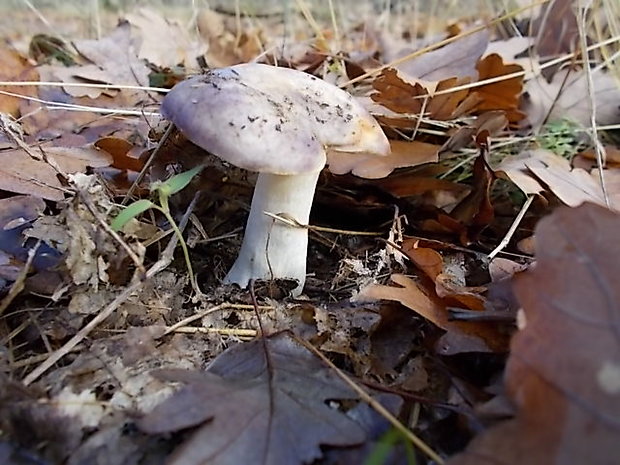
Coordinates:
[226,45]
[566,96]
[612,185]
[443,192]
[164,42]
[515,169]
[564,370]
[501,95]
[428,260]
[397,94]
[612,155]
[15,67]
[534,171]
[555,29]
[252,407]
[401,96]
[455,60]
[403,154]
[22,174]
[461,336]
[447,274]
[125,155]
[114,61]
[16,214]
[492,121]
[475,212]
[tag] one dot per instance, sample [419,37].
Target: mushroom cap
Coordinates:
[269,119]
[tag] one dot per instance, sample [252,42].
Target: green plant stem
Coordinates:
[163,200]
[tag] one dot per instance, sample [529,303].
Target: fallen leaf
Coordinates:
[428,260]
[401,96]
[563,373]
[612,155]
[475,212]
[17,214]
[457,59]
[402,154]
[260,407]
[123,153]
[45,48]
[509,49]
[411,184]
[461,336]
[22,174]
[492,121]
[346,330]
[164,42]
[15,67]
[567,97]
[555,29]
[535,171]
[446,273]
[501,95]
[226,44]
[114,61]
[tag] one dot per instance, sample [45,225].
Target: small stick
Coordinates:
[148,163]
[513,228]
[238,332]
[208,311]
[601,153]
[296,224]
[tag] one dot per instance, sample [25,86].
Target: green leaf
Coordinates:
[131,211]
[177,182]
[385,446]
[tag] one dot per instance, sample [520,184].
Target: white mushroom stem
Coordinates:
[272,249]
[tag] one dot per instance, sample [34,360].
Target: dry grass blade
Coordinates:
[598,146]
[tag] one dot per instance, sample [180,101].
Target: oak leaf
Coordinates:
[563,373]
[259,402]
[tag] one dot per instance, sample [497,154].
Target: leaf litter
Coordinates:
[426,318]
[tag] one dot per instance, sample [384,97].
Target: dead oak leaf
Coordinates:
[16,215]
[258,408]
[555,29]
[395,93]
[563,373]
[475,212]
[164,42]
[500,95]
[460,337]
[402,96]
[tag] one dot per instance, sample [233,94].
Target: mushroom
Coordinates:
[279,122]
